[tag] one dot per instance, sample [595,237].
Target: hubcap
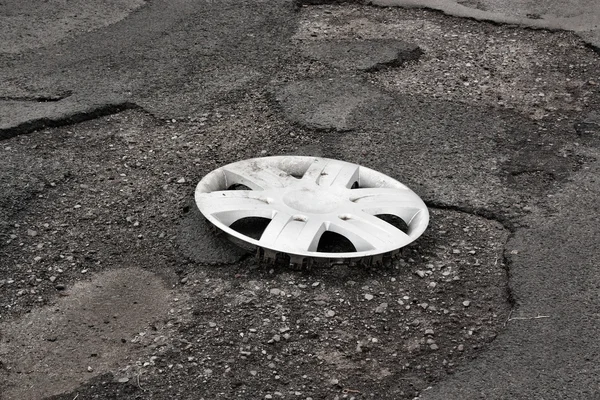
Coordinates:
[304,197]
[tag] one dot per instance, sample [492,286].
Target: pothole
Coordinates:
[384,333]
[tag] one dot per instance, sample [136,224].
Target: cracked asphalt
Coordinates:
[112,286]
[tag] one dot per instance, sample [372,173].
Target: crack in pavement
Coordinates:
[552,274]
[508,224]
[55,115]
[37,99]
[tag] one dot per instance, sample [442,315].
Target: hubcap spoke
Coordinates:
[367,232]
[309,237]
[339,175]
[313,173]
[400,202]
[230,205]
[373,195]
[285,230]
[325,174]
[258,178]
[276,229]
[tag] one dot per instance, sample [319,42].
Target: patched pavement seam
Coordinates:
[60,118]
[591,35]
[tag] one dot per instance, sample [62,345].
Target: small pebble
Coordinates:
[330,313]
[381,308]
[466,303]
[368,296]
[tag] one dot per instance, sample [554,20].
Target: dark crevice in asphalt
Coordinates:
[532,171]
[505,221]
[37,99]
[75,118]
[300,3]
[398,62]
[594,48]
[507,263]
[502,220]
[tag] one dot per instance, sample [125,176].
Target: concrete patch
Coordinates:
[327,104]
[90,331]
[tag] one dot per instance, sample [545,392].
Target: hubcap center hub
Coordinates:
[312,201]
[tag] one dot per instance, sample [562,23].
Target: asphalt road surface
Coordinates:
[112,286]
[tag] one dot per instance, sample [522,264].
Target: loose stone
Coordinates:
[381,308]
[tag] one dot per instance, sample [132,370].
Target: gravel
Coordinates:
[105,195]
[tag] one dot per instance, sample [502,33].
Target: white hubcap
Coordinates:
[307,196]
